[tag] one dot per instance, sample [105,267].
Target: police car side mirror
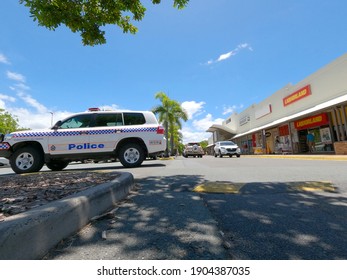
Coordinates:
[57,125]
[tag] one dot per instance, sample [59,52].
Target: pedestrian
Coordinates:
[310,142]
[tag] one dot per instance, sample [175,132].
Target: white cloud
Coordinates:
[229,54]
[206,122]
[36,120]
[193,108]
[195,131]
[190,135]
[3,59]
[225,56]
[4,98]
[15,76]
[231,109]
[28,99]
[30,114]
[113,107]
[7,98]
[39,118]
[20,86]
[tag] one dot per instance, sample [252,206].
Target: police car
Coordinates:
[129,136]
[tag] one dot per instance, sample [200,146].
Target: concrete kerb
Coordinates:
[30,235]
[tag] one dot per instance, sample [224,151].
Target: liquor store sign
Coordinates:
[314,121]
[296,96]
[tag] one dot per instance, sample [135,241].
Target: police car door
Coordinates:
[106,133]
[71,136]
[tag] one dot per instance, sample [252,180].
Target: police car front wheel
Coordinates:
[26,160]
[131,155]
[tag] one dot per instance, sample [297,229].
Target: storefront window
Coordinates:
[282,140]
[318,126]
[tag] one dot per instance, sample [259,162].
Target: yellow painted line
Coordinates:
[219,187]
[166,158]
[314,187]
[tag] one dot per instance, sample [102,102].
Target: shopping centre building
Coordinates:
[280,124]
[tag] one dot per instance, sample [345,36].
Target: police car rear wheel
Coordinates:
[26,160]
[57,165]
[131,155]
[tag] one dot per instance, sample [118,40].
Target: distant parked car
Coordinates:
[226,148]
[193,150]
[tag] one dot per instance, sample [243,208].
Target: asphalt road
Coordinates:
[280,211]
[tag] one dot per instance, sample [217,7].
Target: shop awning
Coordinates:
[223,130]
[322,106]
[216,127]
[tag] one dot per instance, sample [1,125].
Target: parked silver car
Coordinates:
[226,148]
[194,150]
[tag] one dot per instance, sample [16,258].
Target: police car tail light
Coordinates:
[160,130]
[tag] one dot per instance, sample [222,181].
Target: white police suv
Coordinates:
[130,136]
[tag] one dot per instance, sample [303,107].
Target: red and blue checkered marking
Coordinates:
[4,146]
[62,133]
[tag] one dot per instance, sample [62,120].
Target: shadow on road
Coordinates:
[162,219]
[165,219]
[274,221]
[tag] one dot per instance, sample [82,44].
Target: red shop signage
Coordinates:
[296,96]
[283,130]
[317,120]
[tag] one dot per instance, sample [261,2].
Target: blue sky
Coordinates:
[214,57]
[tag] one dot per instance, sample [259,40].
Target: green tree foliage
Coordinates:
[170,113]
[88,16]
[8,123]
[204,144]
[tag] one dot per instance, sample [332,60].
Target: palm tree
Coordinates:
[176,140]
[177,114]
[170,114]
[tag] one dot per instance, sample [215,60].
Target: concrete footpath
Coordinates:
[32,234]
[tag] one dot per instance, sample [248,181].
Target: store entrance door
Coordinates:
[303,147]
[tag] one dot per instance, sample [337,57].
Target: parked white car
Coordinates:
[226,148]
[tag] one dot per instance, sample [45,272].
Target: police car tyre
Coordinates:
[26,160]
[57,165]
[131,155]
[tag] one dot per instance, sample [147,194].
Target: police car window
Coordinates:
[109,120]
[133,118]
[77,122]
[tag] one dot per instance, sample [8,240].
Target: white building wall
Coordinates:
[327,83]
